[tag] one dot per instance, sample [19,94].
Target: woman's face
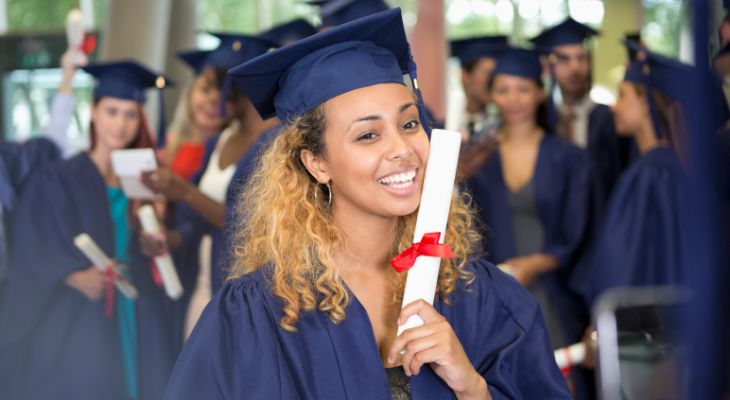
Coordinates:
[516,97]
[375,151]
[205,102]
[630,109]
[116,122]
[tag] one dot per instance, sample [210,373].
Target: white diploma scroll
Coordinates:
[433,213]
[170,280]
[92,251]
[75,33]
[570,356]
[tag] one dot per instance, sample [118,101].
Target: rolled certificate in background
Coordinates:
[164,264]
[433,214]
[507,269]
[570,356]
[97,257]
[75,33]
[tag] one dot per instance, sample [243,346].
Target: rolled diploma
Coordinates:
[571,355]
[433,213]
[92,251]
[74,32]
[170,280]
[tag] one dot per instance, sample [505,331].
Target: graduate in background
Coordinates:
[478,57]
[200,211]
[199,115]
[536,195]
[574,115]
[641,238]
[311,311]
[56,338]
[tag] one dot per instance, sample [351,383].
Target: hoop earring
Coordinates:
[329,194]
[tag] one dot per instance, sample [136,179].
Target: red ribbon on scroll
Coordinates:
[428,246]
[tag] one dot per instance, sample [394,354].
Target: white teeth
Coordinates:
[401,180]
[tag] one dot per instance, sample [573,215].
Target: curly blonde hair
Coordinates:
[286,225]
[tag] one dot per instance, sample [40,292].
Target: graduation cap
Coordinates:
[664,74]
[472,49]
[519,62]
[569,31]
[634,37]
[338,12]
[295,79]
[232,50]
[289,32]
[129,80]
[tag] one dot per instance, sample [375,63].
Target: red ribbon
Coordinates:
[428,246]
[156,277]
[110,291]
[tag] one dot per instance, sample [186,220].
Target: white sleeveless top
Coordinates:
[214,184]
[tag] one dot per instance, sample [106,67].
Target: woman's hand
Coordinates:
[91,282]
[167,183]
[528,268]
[436,344]
[152,245]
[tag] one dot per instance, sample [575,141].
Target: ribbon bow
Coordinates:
[110,277]
[428,246]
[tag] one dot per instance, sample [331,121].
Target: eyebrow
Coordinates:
[376,117]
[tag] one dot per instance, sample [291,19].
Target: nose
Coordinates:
[399,147]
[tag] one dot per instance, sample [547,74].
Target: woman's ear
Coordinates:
[316,166]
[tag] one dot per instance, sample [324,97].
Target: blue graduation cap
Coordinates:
[129,80]
[293,80]
[472,49]
[660,73]
[338,12]
[232,50]
[519,62]
[289,32]
[569,31]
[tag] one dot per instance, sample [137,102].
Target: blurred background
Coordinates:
[32,39]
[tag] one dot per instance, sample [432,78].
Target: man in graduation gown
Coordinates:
[575,116]
[477,57]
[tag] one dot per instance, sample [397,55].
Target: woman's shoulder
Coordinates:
[492,286]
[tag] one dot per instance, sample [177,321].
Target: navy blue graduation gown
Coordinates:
[567,200]
[641,238]
[238,350]
[18,162]
[55,343]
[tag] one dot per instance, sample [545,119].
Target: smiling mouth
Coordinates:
[402,180]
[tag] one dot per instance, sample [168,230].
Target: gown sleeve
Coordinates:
[232,353]
[510,346]
[573,225]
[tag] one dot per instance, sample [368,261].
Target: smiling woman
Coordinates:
[311,308]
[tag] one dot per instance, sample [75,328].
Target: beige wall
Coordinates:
[621,16]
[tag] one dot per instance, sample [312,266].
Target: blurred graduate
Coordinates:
[66,331]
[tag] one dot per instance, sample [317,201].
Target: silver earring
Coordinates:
[329,194]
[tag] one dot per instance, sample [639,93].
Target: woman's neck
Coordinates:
[521,133]
[368,239]
[646,138]
[102,160]
[200,135]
